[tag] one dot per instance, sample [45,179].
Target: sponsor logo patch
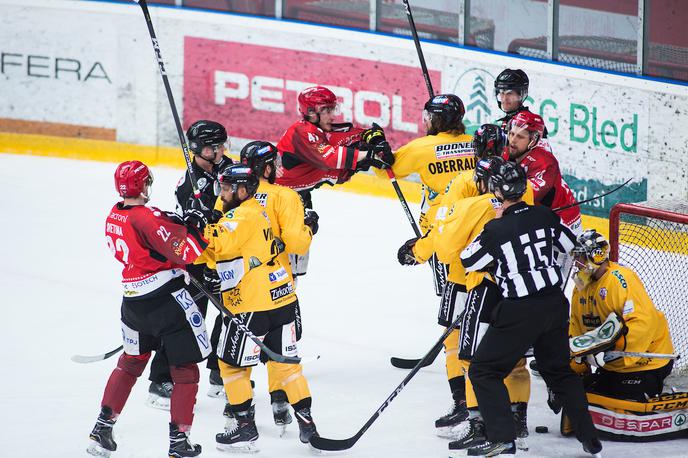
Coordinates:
[603,293]
[281,291]
[278,275]
[628,308]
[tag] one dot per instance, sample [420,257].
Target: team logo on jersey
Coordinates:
[202,182]
[278,275]
[603,293]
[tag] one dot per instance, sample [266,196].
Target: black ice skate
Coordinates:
[306,424]
[159,395]
[593,447]
[488,448]
[520,411]
[280,411]
[180,446]
[243,437]
[445,424]
[470,434]
[216,389]
[103,442]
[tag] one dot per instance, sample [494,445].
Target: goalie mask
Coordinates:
[590,252]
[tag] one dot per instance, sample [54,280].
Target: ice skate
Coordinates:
[520,412]
[159,395]
[280,411]
[102,440]
[593,447]
[488,448]
[216,388]
[472,433]
[242,438]
[446,424]
[180,446]
[306,424]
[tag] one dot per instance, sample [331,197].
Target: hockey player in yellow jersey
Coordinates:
[463,223]
[259,289]
[290,224]
[604,287]
[488,141]
[437,158]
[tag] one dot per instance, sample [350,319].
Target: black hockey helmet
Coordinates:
[239,174]
[506,177]
[205,133]
[592,246]
[445,112]
[514,80]
[258,155]
[489,140]
[482,172]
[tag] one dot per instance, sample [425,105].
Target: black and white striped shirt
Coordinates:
[519,248]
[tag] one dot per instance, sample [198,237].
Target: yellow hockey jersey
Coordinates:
[620,290]
[242,246]
[460,188]
[285,212]
[437,159]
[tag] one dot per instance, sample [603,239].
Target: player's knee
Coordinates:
[133,364]
[185,373]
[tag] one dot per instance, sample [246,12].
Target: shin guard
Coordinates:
[288,377]
[237,383]
[185,378]
[122,379]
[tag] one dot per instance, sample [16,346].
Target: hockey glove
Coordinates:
[405,253]
[211,280]
[195,218]
[311,220]
[374,135]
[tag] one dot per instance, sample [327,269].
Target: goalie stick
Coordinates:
[322,443]
[641,354]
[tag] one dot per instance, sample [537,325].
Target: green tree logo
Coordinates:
[471,87]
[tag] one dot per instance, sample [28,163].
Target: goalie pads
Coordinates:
[599,339]
[660,418]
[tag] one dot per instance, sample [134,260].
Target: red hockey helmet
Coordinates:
[313,98]
[526,120]
[132,177]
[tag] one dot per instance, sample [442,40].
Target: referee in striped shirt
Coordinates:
[519,248]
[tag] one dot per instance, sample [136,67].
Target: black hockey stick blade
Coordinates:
[332,445]
[403,363]
[92,359]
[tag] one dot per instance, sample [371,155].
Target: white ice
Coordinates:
[61,295]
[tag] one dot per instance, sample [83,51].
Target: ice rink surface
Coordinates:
[62,295]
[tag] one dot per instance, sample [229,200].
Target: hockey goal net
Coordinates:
[652,239]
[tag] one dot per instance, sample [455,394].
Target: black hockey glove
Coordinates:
[405,253]
[195,218]
[311,220]
[211,280]
[374,135]
[381,156]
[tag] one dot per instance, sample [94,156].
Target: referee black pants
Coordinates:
[540,321]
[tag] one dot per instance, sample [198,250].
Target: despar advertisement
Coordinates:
[253,89]
[599,142]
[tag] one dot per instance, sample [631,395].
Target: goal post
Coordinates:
[652,239]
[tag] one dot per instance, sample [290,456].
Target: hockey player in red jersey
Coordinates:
[316,150]
[157,309]
[525,130]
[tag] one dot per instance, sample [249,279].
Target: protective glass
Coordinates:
[148,186]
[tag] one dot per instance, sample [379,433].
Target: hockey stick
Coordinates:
[239,324]
[92,359]
[593,198]
[170,98]
[640,354]
[416,41]
[322,443]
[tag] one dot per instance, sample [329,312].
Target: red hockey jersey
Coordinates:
[550,189]
[311,156]
[153,247]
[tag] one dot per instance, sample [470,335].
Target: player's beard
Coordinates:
[229,205]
